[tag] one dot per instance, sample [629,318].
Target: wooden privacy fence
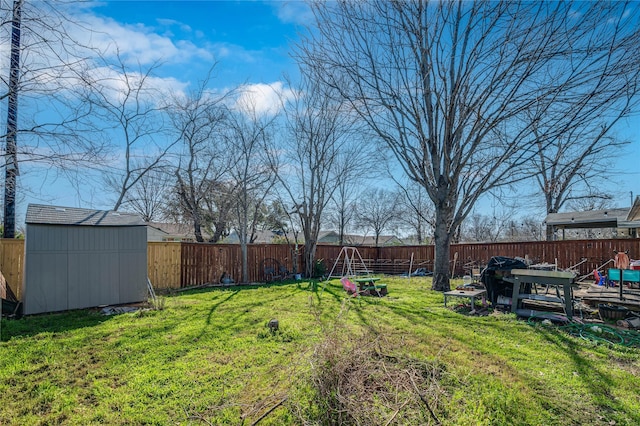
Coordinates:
[206,263]
[565,253]
[397,259]
[12,263]
[164,261]
[173,265]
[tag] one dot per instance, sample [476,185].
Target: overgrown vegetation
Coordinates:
[209,357]
[360,380]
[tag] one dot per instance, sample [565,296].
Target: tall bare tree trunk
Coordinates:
[245,267]
[309,256]
[442,243]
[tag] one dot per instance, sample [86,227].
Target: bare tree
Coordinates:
[584,204]
[377,211]
[319,127]
[455,89]
[575,165]
[342,211]
[127,106]
[359,165]
[249,136]
[481,228]
[199,119]
[148,197]
[532,229]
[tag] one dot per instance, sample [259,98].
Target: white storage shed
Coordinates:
[80,258]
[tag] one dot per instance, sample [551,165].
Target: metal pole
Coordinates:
[410,267]
[11,159]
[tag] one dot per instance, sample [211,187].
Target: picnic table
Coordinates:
[371,286]
[367,280]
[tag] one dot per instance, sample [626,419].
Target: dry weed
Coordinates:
[358,380]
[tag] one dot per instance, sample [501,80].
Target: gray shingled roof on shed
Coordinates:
[54,215]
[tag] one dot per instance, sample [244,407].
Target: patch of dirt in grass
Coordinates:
[628,365]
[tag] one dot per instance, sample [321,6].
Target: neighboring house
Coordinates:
[413,241]
[328,237]
[625,221]
[324,237]
[158,231]
[370,240]
[263,237]
[332,237]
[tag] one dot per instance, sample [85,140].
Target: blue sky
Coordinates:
[250,41]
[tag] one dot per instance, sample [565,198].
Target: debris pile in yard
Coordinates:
[360,380]
[115,310]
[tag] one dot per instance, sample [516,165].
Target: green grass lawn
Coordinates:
[209,358]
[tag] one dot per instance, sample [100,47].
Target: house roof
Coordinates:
[181,230]
[627,217]
[328,234]
[261,237]
[370,240]
[358,240]
[56,215]
[634,211]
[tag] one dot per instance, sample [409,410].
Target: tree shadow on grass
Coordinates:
[593,374]
[330,288]
[359,304]
[447,326]
[215,306]
[237,287]
[240,312]
[507,356]
[50,323]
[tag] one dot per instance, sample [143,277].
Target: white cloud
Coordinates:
[295,12]
[233,52]
[56,64]
[136,43]
[173,23]
[116,84]
[263,99]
